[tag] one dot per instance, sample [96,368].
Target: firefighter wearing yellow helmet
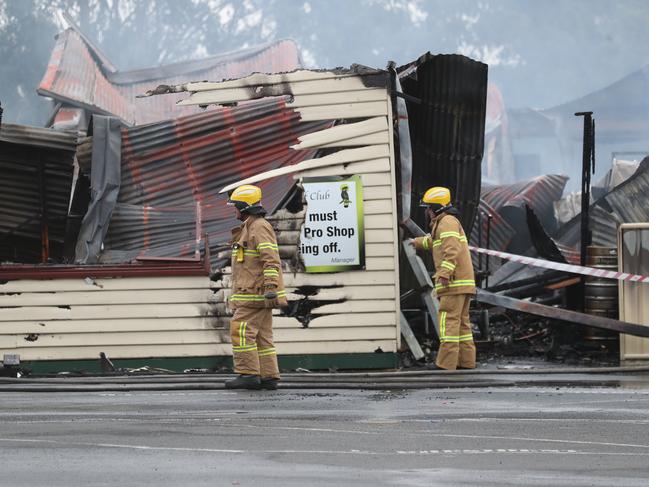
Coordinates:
[454,279]
[257,288]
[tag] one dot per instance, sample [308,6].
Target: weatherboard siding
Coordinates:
[369,298]
[633,244]
[73,319]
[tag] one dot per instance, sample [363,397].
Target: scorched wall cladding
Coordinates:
[363,315]
[130,317]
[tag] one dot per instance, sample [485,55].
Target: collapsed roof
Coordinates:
[80,77]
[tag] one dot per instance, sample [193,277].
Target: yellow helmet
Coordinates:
[437,195]
[245,196]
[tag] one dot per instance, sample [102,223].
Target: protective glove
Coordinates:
[270,298]
[443,281]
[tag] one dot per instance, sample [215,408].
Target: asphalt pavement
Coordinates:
[504,436]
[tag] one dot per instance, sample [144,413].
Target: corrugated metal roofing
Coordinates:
[447,128]
[626,203]
[38,137]
[76,76]
[170,167]
[500,232]
[24,153]
[539,193]
[603,226]
[508,203]
[629,200]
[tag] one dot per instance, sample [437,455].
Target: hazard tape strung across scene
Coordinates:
[558,266]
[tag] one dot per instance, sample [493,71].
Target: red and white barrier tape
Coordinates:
[573,269]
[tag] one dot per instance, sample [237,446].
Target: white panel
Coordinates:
[376,179]
[243,92]
[356,307]
[121,325]
[270,79]
[379,250]
[335,346]
[379,263]
[633,244]
[351,110]
[350,292]
[384,220]
[106,312]
[339,320]
[219,325]
[373,139]
[344,132]
[350,278]
[196,350]
[341,157]
[109,297]
[36,313]
[379,236]
[377,206]
[377,193]
[108,284]
[373,166]
[329,99]
[123,338]
[284,335]
[340,278]
[88,352]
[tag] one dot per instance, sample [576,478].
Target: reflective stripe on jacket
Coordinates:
[256,266]
[450,248]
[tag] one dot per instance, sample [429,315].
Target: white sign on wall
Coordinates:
[332,237]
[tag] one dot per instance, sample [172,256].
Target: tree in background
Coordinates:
[540,53]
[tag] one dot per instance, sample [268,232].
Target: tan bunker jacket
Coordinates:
[256,266]
[451,255]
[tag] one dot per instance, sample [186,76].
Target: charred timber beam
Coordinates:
[410,338]
[562,314]
[531,290]
[546,277]
[587,168]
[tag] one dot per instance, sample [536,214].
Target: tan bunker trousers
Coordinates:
[253,351]
[456,347]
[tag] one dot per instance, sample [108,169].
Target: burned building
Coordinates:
[157,207]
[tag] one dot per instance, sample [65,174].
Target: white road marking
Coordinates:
[139,394]
[493,451]
[539,440]
[511,420]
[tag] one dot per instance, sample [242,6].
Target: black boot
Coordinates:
[434,366]
[269,384]
[244,382]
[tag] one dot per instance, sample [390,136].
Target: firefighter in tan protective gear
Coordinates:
[257,288]
[454,279]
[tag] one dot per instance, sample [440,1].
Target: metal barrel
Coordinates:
[601,295]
